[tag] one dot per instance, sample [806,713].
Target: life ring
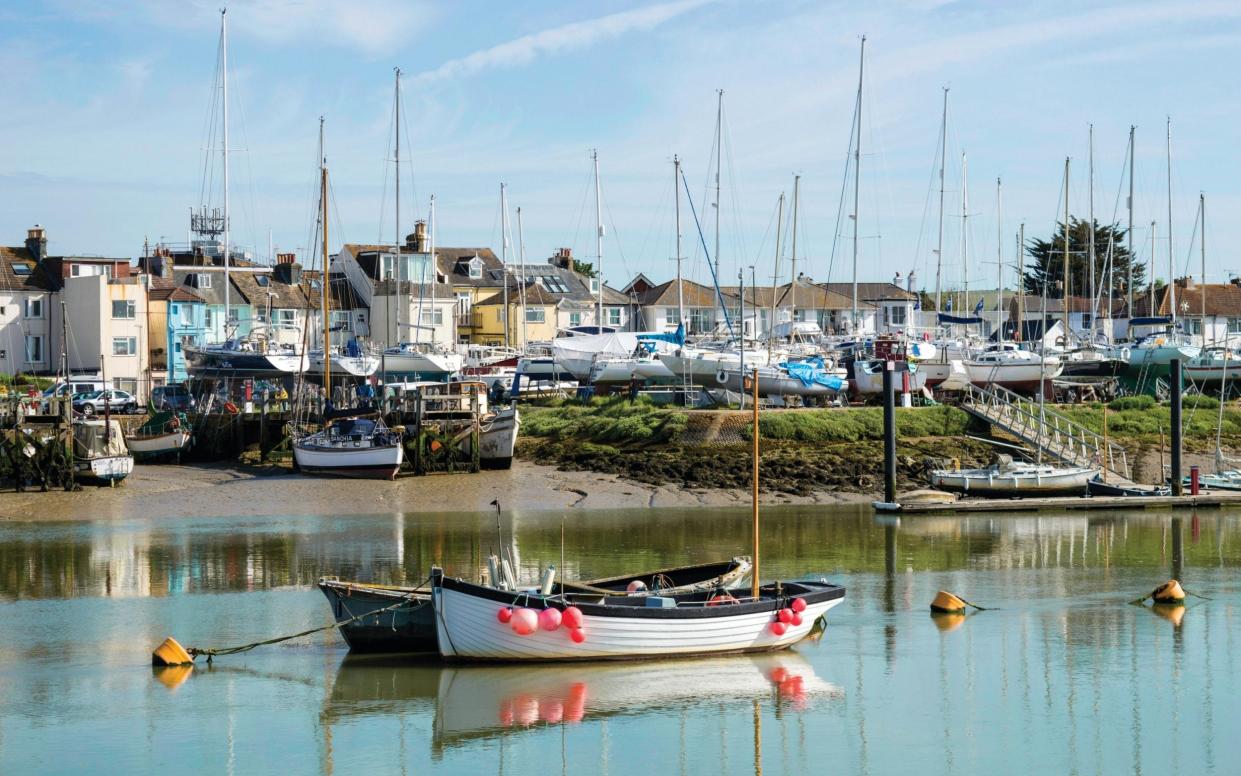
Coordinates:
[1124,353]
[720,599]
[230,407]
[721,377]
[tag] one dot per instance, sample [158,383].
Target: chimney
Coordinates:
[1235,281]
[563,258]
[286,258]
[287,270]
[896,281]
[418,240]
[36,242]
[1189,282]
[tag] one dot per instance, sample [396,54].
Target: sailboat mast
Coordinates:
[793,264]
[719,152]
[939,246]
[1064,297]
[521,289]
[1021,280]
[326,300]
[598,245]
[504,257]
[1202,292]
[435,265]
[1129,234]
[676,189]
[1171,244]
[1154,225]
[396,268]
[1090,250]
[999,255]
[965,220]
[224,157]
[857,177]
[775,273]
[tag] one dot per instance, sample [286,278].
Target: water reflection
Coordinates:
[173,557]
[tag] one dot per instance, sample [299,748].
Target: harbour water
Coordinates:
[1059,675]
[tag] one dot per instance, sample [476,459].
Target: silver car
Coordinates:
[96,402]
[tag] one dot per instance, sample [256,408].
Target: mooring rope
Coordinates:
[211,652]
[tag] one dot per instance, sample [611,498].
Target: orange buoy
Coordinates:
[171,653]
[1169,592]
[947,603]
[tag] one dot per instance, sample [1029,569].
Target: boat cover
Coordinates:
[945,318]
[812,372]
[91,441]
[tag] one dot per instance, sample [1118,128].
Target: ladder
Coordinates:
[1055,434]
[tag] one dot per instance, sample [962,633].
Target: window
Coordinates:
[128,386]
[594,285]
[464,303]
[209,318]
[187,314]
[339,319]
[34,349]
[575,319]
[87,270]
[1234,325]
[285,317]
[553,284]
[234,315]
[896,315]
[34,307]
[476,267]
[203,279]
[123,308]
[614,316]
[672,315]
[433,317]
[536,315]
[1193,325]
[701,319]
[124,346]
[262,280]
[20,270]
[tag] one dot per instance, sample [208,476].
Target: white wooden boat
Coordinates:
[352,444]
[99,452]
[469,622]
[421,360]
[411,628]
[1010,479]
[497,438]
[164,435]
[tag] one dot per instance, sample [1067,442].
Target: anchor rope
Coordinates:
[211,652]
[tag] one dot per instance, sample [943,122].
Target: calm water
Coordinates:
[1062,676]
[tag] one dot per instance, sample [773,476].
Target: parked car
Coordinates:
[95,402]
[75,386]
[172,397]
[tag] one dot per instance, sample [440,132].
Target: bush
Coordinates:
[1142,402]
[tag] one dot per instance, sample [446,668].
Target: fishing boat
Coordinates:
[471,622]
[411,627]
[1015,479]
[99,452]
[163,435]
[353,443]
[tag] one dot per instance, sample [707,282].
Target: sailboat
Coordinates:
[260,354]
[352,442]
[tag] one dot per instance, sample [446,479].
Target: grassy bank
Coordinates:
[803,451]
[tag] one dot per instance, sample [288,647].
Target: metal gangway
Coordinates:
[1055,434]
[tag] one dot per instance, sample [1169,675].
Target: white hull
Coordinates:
[108,468]
[345,366]
[776,382]
[949,375]
[161,444]
[872,382]
[653,369]
[467,628]
[378,462]
[498,438]
[701,368]
[1161,355]
[1016,376]
[424,364]
[1035,481]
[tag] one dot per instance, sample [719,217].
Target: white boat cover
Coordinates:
[621,343]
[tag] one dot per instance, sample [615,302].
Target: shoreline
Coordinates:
[237,491]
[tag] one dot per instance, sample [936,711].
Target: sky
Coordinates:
[107,111]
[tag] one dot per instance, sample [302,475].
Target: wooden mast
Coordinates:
[754,583]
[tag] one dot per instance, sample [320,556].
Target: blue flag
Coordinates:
[948,305]
[978,308]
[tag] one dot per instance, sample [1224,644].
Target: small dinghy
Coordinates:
[99,452]
[1007,478]
[479,623]
[1097,487]
[411,628]
[163,435]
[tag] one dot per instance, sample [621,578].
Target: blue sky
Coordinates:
[105,104]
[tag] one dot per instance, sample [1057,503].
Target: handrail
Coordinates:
[1074,442]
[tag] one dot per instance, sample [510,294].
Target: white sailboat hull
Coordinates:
[1018,376]
[381,462]
[424,364]
[872,382]
[990,483]
[497,439]
[345,366]
[159,444]
[108,468]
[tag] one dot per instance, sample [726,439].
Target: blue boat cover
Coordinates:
[944,318]
[812,372]
[676,337]
[1155,321]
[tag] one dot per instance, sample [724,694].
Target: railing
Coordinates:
[1056,434]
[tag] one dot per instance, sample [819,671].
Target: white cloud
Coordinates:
[567,37]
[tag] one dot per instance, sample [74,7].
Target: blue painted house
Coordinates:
[183,315]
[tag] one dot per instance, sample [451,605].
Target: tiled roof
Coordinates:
[19,272]
[1222,300]
[257,292]
[870,292]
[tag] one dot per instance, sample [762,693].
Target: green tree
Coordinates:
[584,268]
[1045,261]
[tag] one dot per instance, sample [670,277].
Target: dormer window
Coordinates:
[476,267]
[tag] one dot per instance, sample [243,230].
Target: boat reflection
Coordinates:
[474,702]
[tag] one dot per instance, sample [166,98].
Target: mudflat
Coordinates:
[207,490]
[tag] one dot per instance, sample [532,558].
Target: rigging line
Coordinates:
[1193,241]
[581,208]
[655,227]
[844,187]
[875,141]
[739,249]
[209,128]
[762,247]
[620,249]
[409,156]
[383,198]
[718,293]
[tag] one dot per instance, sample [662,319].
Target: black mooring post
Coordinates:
[889,433]
[1177,487]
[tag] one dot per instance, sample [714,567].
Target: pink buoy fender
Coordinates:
[525,621]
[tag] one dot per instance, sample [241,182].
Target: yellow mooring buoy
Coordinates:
[171,653]
[173,677]
[947,603]
[1169,592]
